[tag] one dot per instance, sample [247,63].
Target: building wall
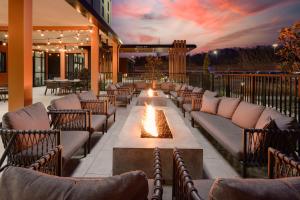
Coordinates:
[4,76]
[103,8]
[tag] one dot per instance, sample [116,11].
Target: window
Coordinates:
[74,65]
[2,62]
[108,5]
[39,72]
[107,18]
[102,13]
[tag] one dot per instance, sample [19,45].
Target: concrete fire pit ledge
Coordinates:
[131,152]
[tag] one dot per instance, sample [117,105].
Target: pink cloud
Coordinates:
[132,8]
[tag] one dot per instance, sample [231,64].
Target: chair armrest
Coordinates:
[196,103]
[111,98]
[157,175]
[50,163]
[97,107]
[257,141]
[183,185]
[24,147]
[123,91]
[70,120]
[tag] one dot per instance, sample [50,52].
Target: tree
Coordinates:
[289,51]
[153,64]
[206,62]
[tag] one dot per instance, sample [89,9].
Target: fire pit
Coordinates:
[152,93]
[154,124]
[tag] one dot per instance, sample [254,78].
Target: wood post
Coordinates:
[115,63]
[20,54]
[62,65]
[95,60]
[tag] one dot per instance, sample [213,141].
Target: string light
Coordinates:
[6,35]
[42,34]
[38,47]
[61,34]
[60,41]
[4,43]
[48,43]
[87,39]
[78,34]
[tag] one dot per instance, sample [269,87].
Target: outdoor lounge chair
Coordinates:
[29,133]
[41,181]
[280,166]
[72,102]
[91,102]
[123,95]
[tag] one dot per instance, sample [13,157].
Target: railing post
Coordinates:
[253,92]
[212,81]
[227,86]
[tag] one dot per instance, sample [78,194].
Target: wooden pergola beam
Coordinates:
[53,28]
[60,44]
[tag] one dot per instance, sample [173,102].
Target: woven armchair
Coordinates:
[122,95]
[187,104]
[281,165]
[157,190]
[183,185]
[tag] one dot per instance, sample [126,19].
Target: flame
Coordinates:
[149,122]
[150,93]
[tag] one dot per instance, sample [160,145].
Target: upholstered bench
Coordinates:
[246,130]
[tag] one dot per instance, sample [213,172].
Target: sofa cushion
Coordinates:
[166,86]
[246,114]
[210,93]
[111,87]
[258,189]
[111,110]
[203,187]
[197,90]
[210,104]
[141,85]
[282,122]
[28,184]
[173,94]
[33,117]
[69,102]
[222,130]
[190,88]
[187,107]
[72,141]
[227,106]
[97,122]
[89,95]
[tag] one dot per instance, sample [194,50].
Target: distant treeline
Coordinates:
[258,58]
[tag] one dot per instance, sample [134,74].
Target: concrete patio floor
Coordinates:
[99,162]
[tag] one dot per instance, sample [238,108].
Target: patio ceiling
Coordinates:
[56,25]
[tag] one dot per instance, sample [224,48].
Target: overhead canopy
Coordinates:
[151,48]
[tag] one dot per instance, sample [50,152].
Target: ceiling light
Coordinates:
[38,47]
[6,35]
[78,34]
[81,43]
[60,41]
[61,34]
[4,43]
[42,34]
[48,43]
[87,39]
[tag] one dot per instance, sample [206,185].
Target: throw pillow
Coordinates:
[210,104]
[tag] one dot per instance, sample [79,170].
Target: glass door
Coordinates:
[39,72]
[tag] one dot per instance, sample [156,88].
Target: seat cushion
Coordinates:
[123,98]
[210,104]
[180,100]
[69,102]
[177,87]
[227,106]
[141,85]
[97,122]
[282,122]
[72,141]
[28,184]
[173,94]
[197,90]
[229,135]
[246,114]
[210,93]
[258,189]
[111,87]
[33,117]
[166,86]
[111,110]
[89,95]
[187,107]
[203,187]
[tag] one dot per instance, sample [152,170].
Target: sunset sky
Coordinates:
[210,24]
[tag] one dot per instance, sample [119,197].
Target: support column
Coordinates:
[95,60]
[20,54]
[115,64]
[62,65]
[86,59]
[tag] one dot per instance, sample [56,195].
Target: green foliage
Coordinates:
[289,51]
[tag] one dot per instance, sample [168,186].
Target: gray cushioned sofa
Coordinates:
[240,127]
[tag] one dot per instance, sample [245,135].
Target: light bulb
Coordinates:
[6,36]
[42,34]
